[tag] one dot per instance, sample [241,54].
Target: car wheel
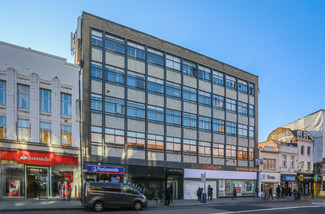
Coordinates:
[137,206]
[98,206]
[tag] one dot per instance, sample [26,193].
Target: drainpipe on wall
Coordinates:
[81,65]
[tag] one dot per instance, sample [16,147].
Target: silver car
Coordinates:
[100,195]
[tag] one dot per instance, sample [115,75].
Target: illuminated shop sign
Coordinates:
[104,169]
[288,178]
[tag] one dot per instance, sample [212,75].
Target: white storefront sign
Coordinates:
[220,174]
[270,177]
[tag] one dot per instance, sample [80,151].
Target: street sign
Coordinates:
[203,177]
[315,178]
[258,162]
[301,177]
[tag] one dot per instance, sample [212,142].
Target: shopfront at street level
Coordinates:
[20,168]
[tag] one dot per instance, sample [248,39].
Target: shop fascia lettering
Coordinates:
[104,169]
[270,177]
[29,157]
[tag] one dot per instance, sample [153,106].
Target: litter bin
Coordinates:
[203,197]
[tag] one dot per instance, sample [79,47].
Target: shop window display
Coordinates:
[13,175]
[65,173]
[243,187]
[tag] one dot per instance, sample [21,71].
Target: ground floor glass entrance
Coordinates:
[37,182]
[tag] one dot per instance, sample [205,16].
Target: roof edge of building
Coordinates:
[39,53]
[84,12]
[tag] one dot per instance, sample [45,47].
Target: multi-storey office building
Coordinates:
[157,113]
[39,135]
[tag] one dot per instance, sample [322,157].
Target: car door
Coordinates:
[128,194]
[113,195]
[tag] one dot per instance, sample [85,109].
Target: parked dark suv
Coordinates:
[100,195]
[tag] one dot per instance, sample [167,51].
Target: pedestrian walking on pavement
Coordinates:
[172,193]
[198,193]
[62,189]
[210,193]
[69,189]
[234,194]
[270,192]
[256,192]
[36,187]
[167,195]
[278,192]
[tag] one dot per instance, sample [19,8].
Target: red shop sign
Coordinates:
[35,157]
[38,157]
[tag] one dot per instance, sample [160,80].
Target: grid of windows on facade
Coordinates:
[114,137]
[173,90]
[189,68]
[23,130]
[292,161]
[139,111]
[219,126]
[45,100]
[155,142]
[242,86]
[137,51]
[45,132]
[269,164]
[218,150]
[66,102]
[96,102]
[65,135]
[96,135]
[136,140]
[23,96]
[173,117]
[3,93]
[3,129]
[135,81]
[242,153]
[173,145]
[114,106]
[189,147]
[231,151]
[155,85]
[219,102]
[218,78]
[204,73]
[205,98]
[115,44]
[205,149]
[114,75]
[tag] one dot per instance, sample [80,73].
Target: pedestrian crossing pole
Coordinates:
[203,179]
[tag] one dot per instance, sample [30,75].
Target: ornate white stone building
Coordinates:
[39,132]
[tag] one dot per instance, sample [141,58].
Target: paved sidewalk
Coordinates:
[33,205]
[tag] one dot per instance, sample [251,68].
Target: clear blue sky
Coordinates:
[283,42]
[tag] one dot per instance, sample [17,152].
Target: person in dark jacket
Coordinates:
[36,187]
[198,193]
[234,194]
[210,193]
[256,192]
[172,193]
[168,193]
[270,192]
[278,191]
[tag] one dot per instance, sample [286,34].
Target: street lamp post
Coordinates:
[81,65]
